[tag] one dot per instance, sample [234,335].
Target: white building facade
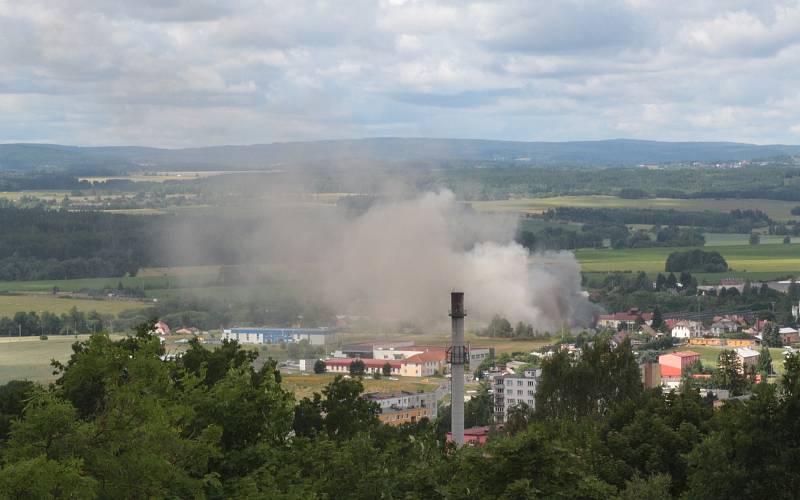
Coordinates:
[514,389]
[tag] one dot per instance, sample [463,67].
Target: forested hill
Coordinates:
[400,151]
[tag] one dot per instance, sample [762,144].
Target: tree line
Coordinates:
[595,235]
[47,323]
[734,221]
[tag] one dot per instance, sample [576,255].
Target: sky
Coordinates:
[181,73]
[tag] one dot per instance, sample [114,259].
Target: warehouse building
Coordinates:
[260,335]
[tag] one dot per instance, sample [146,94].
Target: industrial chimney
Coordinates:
[457,356]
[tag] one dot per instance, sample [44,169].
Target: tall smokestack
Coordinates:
[458,358]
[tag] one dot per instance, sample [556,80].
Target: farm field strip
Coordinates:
[756,258]
[10,304]
[30,359]
[776,209]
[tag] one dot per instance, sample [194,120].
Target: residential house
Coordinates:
[687,329]
[674,363]
[723,326]
[789,335]
[628,319]
[747,357]
[161,328]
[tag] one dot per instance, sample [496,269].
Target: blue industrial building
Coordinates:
[258,335]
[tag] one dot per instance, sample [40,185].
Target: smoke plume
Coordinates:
[401,259]
[398,260]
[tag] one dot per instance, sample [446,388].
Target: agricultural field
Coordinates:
[732,239]
[779,210]
[777,259]
[29,358]
[10,304]
[305,385]
[148,281]
[155,176]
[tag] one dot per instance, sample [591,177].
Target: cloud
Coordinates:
[247,71]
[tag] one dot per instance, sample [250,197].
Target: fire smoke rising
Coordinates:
[399,260]
[403,258]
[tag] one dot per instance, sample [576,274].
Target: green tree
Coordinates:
[655,487]
[357,368]
[728,374]
[319,366]
[480,409]
[764,364]
[658,319]
[498,327]
[346,412]
[386,369]
[601,378]
[518,418]
[755,239]
[13,398]
[42,478]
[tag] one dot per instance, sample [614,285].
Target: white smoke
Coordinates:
[400,260]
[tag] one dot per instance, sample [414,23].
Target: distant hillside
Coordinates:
[386,151]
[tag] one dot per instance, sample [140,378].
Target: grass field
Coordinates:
[306,385]
[10,304]
[779,210]
[156,177]
[750,258]
[29,358]
[732,239]
[709,354]
[74,285]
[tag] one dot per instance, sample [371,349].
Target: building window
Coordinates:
[530,393]
[530,383]
[519,382]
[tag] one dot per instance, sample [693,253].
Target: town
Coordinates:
[666,350]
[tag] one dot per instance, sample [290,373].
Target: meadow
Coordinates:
[147,280]
[779,210]
[733,239]
[10,304]
[156,176]
[777,259]
[305,385]
[29,358]
[709,355]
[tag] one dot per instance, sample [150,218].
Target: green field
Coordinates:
[307,384]
[75,285]
[709,354]
[779,210]
[778,259]
[733,239]
[156,177]
[10,304]
[29,358]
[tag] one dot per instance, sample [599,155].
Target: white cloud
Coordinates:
[179,72]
